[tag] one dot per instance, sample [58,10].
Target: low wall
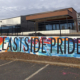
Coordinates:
[51,32]
[47,46]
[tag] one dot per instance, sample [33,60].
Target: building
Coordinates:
[8,26]
[78,19]
[57,22]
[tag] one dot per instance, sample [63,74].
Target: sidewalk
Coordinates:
[60,61]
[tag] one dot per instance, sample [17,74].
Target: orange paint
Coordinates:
[6,49]
[34,37]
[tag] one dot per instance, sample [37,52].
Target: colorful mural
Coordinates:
[42,45]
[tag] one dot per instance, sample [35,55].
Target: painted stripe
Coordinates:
[6,63]
[36,72]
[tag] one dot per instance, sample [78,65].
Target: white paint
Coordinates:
[11,21]
[37,72]
[5,47]
[6,63]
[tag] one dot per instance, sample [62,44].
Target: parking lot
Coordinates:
[18,70]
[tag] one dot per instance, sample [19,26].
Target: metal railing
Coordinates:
[33,30]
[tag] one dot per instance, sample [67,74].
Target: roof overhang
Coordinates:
[50,15]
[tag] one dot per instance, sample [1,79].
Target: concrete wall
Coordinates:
[11,21]
[47,47]
[51,32]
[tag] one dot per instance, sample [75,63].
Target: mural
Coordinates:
[26,45]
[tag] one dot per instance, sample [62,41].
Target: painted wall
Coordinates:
[11,21]
[46,47]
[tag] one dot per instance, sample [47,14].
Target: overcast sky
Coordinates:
[13,8]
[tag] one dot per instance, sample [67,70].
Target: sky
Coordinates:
[13,8]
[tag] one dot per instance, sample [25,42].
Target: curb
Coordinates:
[47,62]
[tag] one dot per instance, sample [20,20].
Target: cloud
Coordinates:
[13,8]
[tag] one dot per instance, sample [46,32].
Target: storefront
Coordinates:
[62,21]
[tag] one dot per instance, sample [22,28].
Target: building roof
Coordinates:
[42,13]
[53,11]
[68,11]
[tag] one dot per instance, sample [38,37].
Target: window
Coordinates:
[11,29]
[62,26]
[57,26]
[73,26]
[54,27]
[5,29]
[0,30]
[50,27]
[47,27]
[70,25]
[66,26]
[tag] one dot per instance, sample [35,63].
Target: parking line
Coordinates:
[36,72]
[6,63]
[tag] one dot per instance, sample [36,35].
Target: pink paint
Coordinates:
[64,73]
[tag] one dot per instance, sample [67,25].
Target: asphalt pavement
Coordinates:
[19,70]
